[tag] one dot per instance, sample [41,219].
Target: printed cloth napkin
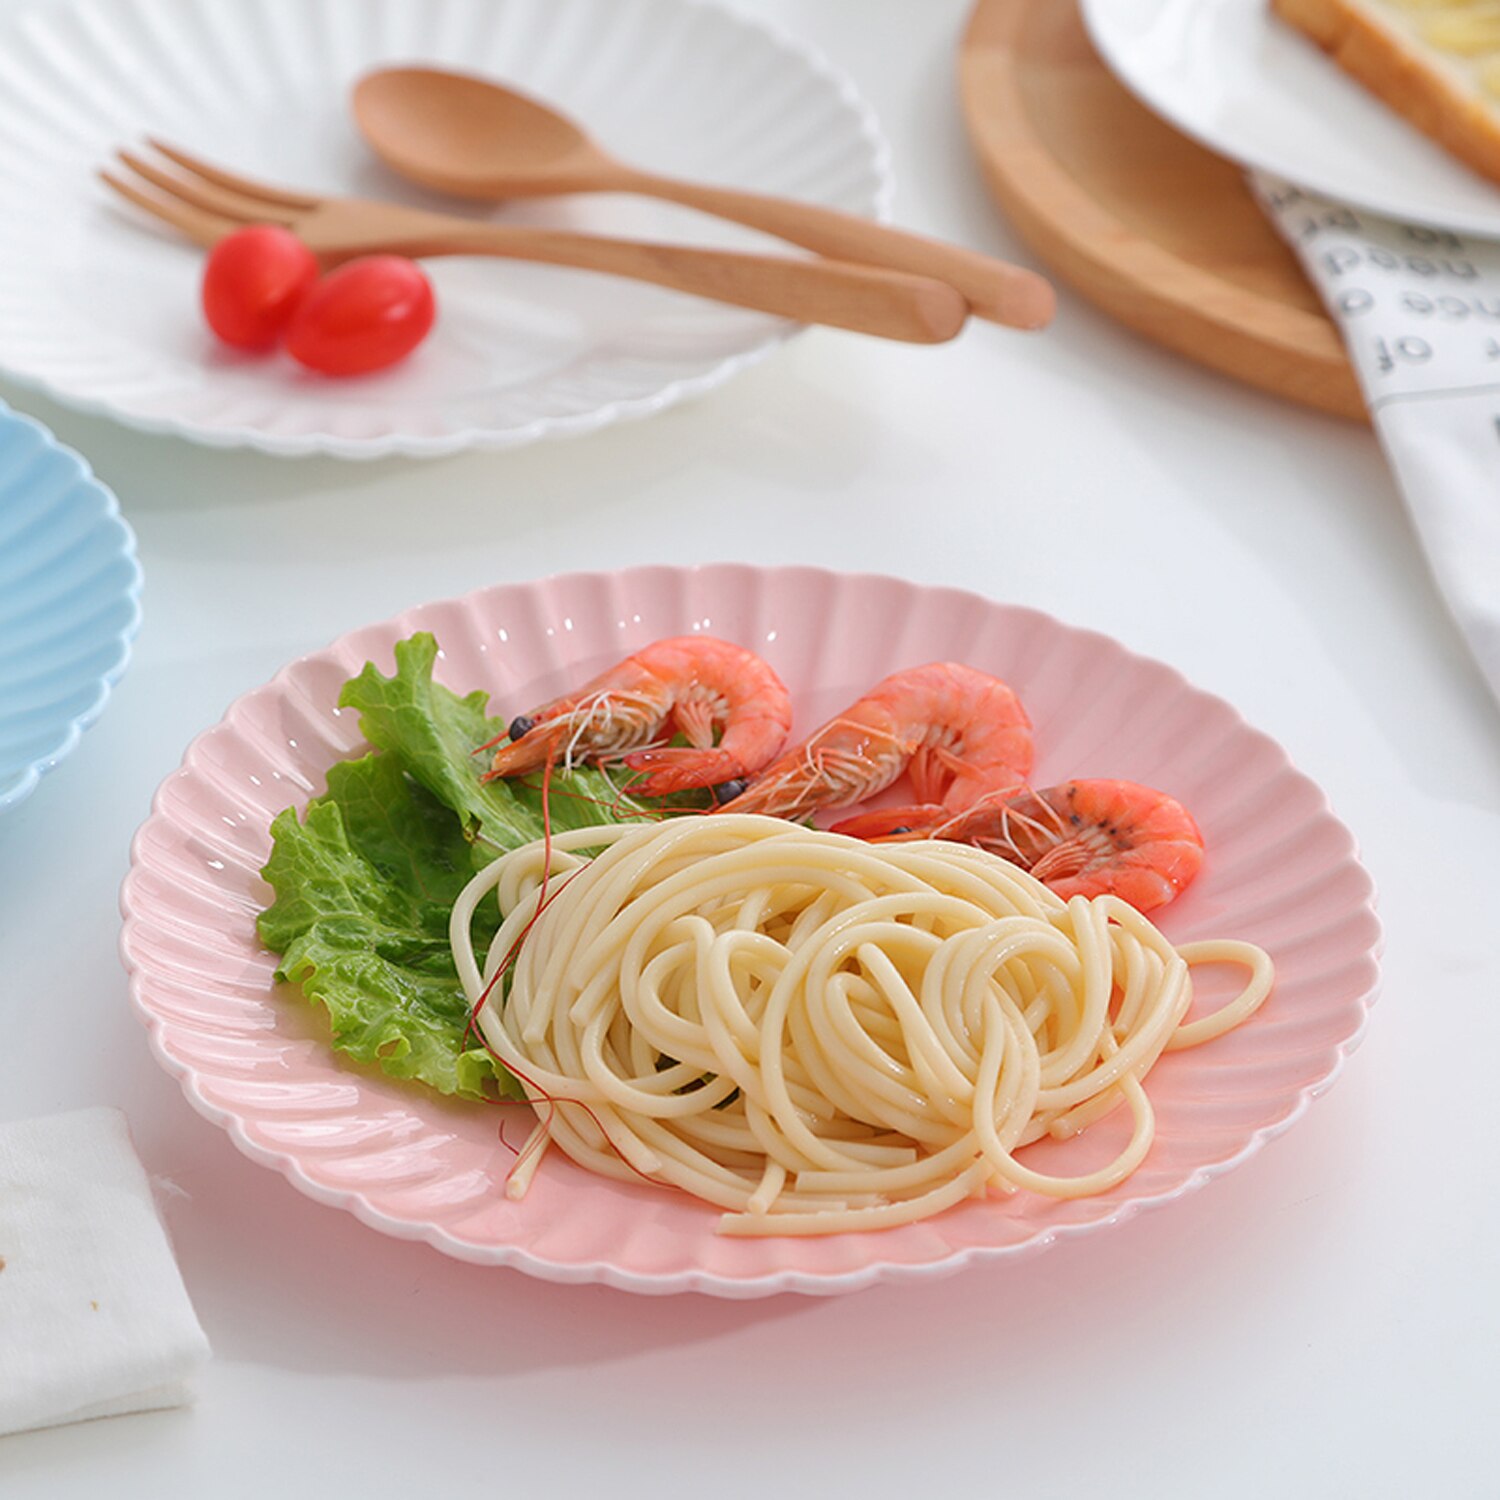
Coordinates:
[1420,312]
[94,1319]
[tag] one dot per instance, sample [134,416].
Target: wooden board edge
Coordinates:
[1251,338]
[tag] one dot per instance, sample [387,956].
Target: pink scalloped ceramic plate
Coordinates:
[1281,871]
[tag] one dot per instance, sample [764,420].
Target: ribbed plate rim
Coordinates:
[71,731]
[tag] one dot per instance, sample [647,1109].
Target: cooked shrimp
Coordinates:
[957,732]
[692,684]
[1090,838]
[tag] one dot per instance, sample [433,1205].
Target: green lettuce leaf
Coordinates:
[434,734]
[366,878]
[364,884]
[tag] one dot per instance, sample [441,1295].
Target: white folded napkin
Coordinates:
[1420,311]
[94,1319]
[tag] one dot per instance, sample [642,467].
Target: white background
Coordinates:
[1322,1322]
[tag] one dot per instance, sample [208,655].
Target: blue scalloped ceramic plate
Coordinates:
[70,601]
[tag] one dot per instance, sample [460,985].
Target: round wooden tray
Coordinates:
[1160,233]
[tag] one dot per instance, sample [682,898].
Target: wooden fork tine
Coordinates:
[202,228]
[261,191]
[206,195]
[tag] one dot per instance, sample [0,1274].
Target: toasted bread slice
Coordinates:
[1435,61]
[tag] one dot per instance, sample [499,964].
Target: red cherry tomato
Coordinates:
[364,316]
[253,282]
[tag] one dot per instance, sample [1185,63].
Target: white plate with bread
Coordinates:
[1387,105]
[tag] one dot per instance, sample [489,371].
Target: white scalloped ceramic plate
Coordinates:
[1280,870]
[70,601]
[100,309]
[1248,85]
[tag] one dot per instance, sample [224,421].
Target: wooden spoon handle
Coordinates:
[995,290]
[889,304]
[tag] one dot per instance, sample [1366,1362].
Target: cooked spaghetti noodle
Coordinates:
[818,1034]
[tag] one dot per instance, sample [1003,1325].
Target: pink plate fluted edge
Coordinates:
[1281,870]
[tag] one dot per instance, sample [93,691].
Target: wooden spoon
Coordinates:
[477,139]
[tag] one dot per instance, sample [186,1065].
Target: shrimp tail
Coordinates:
[888,824]
[679,769]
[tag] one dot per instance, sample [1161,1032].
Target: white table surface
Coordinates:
[1322,1322]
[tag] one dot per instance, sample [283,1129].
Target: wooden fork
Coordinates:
[205,203]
